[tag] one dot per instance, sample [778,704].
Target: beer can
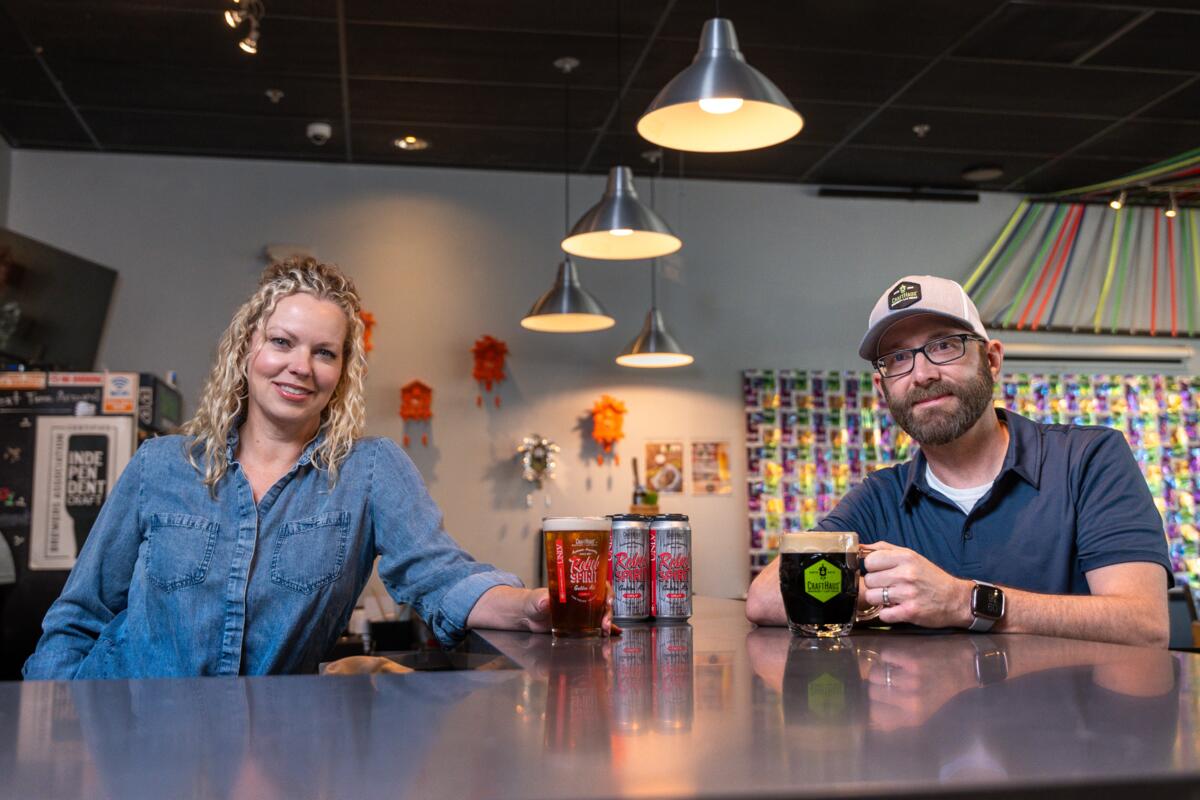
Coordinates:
[630,566]
[671,567]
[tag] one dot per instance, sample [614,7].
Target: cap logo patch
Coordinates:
[904,295]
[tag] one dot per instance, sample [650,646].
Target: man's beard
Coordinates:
[936,426]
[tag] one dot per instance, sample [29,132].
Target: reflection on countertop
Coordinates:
[714,708]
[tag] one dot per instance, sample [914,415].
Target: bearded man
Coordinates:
[998,523]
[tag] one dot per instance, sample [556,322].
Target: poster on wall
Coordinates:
[710,468]
[664,467]
[76,462]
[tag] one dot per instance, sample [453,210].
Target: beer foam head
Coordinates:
[819,542]
[576,524]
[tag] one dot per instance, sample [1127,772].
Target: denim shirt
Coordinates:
[174,582]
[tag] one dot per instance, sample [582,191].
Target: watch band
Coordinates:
[981,624]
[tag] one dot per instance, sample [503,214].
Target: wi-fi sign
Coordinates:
[120,382]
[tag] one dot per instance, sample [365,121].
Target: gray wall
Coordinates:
[769,275]
[5,173]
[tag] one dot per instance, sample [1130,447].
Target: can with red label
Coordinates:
[630,566]
[671,567]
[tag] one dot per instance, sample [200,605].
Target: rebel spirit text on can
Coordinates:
[630,566]
[671,567]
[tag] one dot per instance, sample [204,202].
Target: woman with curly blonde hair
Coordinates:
[241,546]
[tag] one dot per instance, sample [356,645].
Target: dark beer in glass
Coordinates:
[577,558]
[818,577]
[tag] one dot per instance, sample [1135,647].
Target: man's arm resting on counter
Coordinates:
[764,603]
[1128,605]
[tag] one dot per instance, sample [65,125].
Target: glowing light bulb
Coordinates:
[1117,202]
[233,18]
[622,232]
[720,105]
[249,45]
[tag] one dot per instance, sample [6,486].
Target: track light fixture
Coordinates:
[1173,208]
[244,12]
[1118,202]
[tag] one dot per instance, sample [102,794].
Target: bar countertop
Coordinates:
[716,708]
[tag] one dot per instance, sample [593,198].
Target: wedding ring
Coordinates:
[886,601]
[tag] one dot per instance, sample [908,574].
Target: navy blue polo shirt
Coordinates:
[1068,499]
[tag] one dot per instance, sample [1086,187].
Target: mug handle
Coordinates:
[871,612]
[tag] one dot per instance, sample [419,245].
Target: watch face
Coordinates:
[987,601]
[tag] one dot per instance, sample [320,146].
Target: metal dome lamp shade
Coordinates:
[654,347]
[621,227]
[719,104]
[567,307]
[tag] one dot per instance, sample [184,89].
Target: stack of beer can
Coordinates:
[651,567]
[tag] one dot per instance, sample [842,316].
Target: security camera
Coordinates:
[319,132]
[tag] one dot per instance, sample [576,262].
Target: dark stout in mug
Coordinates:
[818,580]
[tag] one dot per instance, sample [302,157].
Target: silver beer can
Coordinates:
[630,573]
[671,567]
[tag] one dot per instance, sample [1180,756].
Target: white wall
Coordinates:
[5,170]
[769,276]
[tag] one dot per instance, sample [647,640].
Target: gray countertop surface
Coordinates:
[711,709]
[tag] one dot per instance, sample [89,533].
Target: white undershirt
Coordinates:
[963,498]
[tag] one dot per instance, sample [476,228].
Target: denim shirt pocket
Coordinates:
[179,550]
[310,552]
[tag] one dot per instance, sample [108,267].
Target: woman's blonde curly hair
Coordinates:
[223,402]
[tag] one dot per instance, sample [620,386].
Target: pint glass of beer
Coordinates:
[818,576]
[577,568]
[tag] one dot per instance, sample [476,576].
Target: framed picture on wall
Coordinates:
[664,467]
[710,468]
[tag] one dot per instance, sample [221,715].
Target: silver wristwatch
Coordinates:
[987,606]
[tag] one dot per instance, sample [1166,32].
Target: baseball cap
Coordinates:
[919,294]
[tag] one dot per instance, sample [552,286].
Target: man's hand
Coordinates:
[918,591]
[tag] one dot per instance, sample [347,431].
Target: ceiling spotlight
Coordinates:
[978,173]
[922,130]
[274,95]
[234,18]
[1173,209]
[1118,202]
[411,143]
[250,43]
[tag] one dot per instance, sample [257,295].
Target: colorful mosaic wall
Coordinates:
[811,435]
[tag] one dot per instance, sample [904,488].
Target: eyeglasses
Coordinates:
[939,351]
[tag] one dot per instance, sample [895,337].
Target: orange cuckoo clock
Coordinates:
[608,415]
[416,408]
[368,320]
[489,364]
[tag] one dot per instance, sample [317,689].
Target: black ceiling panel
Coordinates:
[876,26]
[908,168]
[989,86]
[42,126]
[491,106]
[965,130]
[1053,33]
[123,86]
[1164,41]
[1151,141]
[996,81]
[548,16]
[1071,173]
[23,79]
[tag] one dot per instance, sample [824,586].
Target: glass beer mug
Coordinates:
[577,572]
[818,577]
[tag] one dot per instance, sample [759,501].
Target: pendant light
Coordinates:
[654,347]
[719,104]
[620,227]
[567,307]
